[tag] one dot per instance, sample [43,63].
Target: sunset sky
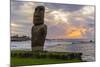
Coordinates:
[62,20]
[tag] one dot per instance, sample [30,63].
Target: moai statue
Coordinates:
[39,30]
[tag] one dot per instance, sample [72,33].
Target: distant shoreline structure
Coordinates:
[27,38]
[20,38]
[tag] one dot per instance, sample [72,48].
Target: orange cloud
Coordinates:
[75,32]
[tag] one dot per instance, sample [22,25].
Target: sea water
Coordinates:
[88,49]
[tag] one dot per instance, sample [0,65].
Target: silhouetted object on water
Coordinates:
[39,30]
[91,41]
[19,38]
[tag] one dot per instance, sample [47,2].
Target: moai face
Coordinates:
[39,15]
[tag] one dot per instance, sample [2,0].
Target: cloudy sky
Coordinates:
[62,20]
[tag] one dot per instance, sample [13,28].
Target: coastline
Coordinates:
[88,49]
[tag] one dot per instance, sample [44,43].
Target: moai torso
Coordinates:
[39,30]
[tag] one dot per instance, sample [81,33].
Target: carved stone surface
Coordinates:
[39,30]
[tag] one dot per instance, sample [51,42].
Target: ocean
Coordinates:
[88,49]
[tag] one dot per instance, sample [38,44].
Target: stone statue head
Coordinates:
[39,15]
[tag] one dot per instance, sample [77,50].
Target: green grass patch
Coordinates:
[16,61]
[24,58]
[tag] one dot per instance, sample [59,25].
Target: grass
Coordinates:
[25,58]
[16,61]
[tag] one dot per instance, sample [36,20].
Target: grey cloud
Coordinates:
[20,17]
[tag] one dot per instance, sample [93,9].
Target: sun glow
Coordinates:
[75,32]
